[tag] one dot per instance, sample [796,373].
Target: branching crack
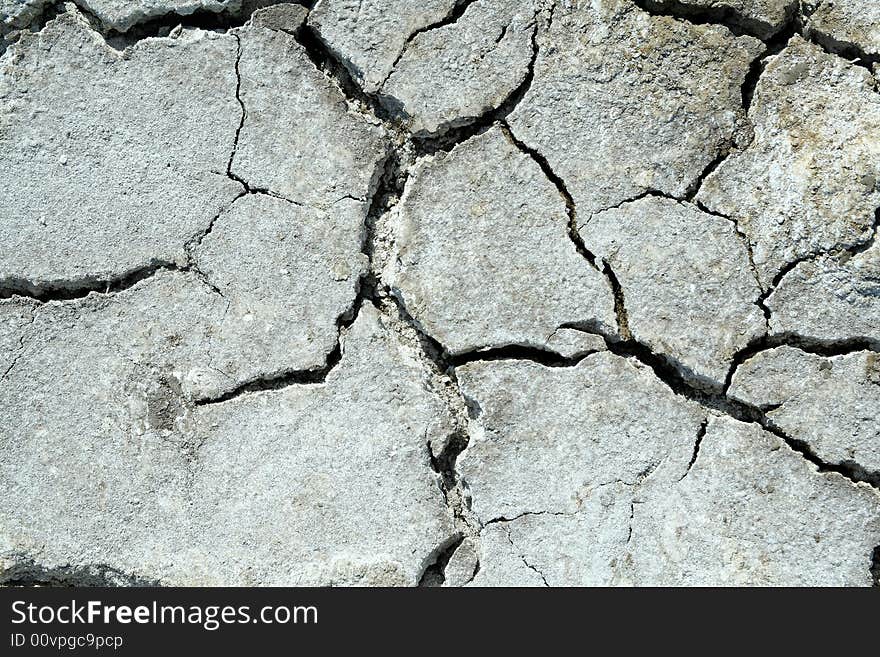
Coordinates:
[451,136]
[384,184]
[750,253]
[721,402]
[827,348]
[573,234]
[843,254]
[774,36]
[525,561]
[451,18]
[772,46]
[19,351]
[709,395]
[326,61]
[389,181]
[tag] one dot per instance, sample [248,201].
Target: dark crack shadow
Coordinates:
[701,433]
[725,15]
[385,187]
[845,49]
[434,574]
[875,567]
[29,573]
[709,395]
[452,135]
[794,22]
[68,290]
[326,61]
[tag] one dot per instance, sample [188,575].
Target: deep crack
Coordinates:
[434,573]
[68,290]
[724,15]
[774,36]
[26,572]
[326,61]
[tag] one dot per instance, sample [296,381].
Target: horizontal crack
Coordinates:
[774,36]
[73,289]
[723,15]
[526,514]
[710,397]
[162,24]
[67,290]
[28,573]
[543,356]
[827,348]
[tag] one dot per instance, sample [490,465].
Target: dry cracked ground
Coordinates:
[459,292]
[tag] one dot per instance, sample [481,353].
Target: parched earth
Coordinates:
[459,292]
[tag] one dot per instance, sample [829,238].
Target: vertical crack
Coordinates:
[701,433]
[560,186]
[573,233]
[632,517]
[21,342]
[875,567]
[619,302]
[241,105]
[750,253]
[772,46]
